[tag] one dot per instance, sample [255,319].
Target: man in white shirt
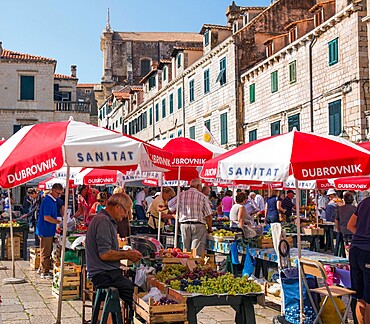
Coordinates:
[259,201]
[140,204]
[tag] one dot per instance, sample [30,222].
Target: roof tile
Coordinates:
[10,55]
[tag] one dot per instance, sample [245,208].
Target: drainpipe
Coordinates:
[153,119]
[183,104]
[239,107]
[312,43]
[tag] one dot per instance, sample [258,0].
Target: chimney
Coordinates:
[73,71]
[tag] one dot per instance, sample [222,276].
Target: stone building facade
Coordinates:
[31,93]
[315,77]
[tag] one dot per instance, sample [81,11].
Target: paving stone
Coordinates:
[28,305]
[41,320]
[11,308]
[16,322]
[14,316]
[39,311]
[10,301]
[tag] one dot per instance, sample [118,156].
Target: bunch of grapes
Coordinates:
[170,272]
[165,301]
[225,284]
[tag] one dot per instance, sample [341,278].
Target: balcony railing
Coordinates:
[83,107]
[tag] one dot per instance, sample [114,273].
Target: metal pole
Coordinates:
[11,233]
[177,207]
[160,213]
[59,314]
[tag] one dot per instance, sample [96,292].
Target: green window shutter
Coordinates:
[125,129]
[293,72]
[27,87]
[207,123]
[178,61]
[179,133]
[156,112]
[275,128]
[222,74]
[192,132]
[179,98]
[171,103]
[252,93]
[150,115]
[206,81]
[253,135]
[163,108]
[333,51]
[293,121]
[145,120]
[16,128]
[206,38]
[223,124]
[191,91]
[335,118]
[274,82]
[165,73]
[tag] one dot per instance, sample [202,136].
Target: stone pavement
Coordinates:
[33,302]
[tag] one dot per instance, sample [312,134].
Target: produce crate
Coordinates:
[265,242]
[161,313]
[34,257]
[17,248]
[71,281]
[313,231]
[151,281]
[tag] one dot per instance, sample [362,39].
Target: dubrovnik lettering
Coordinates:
[100,180]
[256,171]
[188,161]
[32,170]
[332,171]
[351,186]
[210,172]
[104,156]
[161,160]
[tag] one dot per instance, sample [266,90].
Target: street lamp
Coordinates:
[344,135]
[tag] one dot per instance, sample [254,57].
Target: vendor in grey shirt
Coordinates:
[102,254]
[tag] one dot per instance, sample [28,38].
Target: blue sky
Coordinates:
[69,31]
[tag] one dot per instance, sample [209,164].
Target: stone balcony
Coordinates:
[72,106]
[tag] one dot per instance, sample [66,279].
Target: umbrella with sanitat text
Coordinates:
[39,149]
[306,156]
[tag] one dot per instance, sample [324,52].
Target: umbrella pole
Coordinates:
[160,213]
[297,203]
[59,314]
[12,280]
[316,208]
[177,207]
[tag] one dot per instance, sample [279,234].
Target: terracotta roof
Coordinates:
[121,95]
[87,85]
[210,26]
[147,76]
[177,49]
[318,5]
[10,55]
[252,8]
[297,22]
[62,76]
[137,88]
[159,36]
[274,37]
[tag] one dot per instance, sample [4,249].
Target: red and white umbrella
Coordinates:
[43,148]
[48,183]
[75,144]
[361,183]
[91,176]
[307,156]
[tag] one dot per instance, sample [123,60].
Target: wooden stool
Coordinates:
[111,306]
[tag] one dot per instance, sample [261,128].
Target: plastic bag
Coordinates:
[154,293]
[141,272]
[234,253]
[248,268]
[329,314]
[248,232]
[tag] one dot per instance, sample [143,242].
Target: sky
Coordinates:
[69,31]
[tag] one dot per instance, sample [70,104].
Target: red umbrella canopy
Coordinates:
[353,183]
[307,156]
[42,148]
[97,177]
[188,155]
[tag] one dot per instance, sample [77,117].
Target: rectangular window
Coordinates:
[206,81]
[191,90]
[207,123]
[253,135]
[125,129]
[179,98]
[171,103]
[275,128]
[293,72]
[274,82]
[145,123]
[163,108]
[156,112]
[333,52]
[179,61]
[222,74]
[27,87]
[206,37]
[335,118]
[171,135]
[293,121]
[150,115]
[223,127]
[192,132]
[16,128]
[179,133]
[120,120]
[152,82]
[165,73]
[252,93]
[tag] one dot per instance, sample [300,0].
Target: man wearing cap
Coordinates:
[331,210]
[288,204]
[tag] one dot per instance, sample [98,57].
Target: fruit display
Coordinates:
[172,271]
[7,224]
[225,284]
[223,233]
[164,301]
[171,253]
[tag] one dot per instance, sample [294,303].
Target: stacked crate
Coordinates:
[8,247]
[71,281]
[34,257]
